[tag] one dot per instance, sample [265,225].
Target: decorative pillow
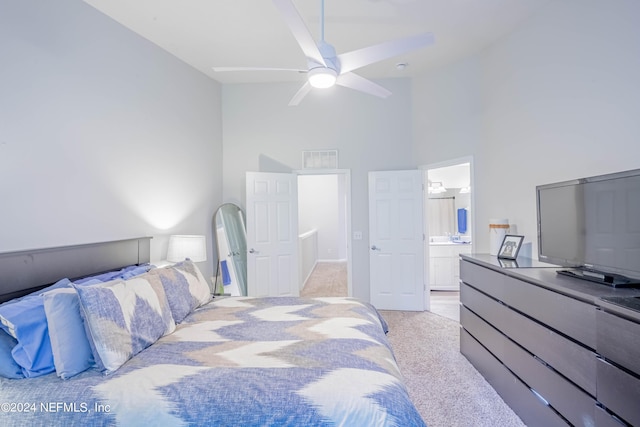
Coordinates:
[8,367]
[185,287]
[122,318]
[69,343]
[25,320]
[198,285]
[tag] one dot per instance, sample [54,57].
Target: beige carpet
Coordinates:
[328,279]
[447,390]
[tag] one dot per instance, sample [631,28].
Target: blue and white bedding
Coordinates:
[236,361]
[145,346]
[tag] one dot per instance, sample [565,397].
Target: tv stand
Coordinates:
[609,279]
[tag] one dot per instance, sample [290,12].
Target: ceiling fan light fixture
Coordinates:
[322,77]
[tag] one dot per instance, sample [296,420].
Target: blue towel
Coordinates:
[462,221]
[226,278]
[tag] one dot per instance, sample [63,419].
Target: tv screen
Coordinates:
[592,223]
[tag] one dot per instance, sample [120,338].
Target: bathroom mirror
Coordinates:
[231,239]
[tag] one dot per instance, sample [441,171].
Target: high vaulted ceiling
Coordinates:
[208,33]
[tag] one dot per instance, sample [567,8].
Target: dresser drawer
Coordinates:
[619,340]
[567,315]
[571,402]
[605,419]
[570,359]
[484,279]
[513,391]
[619,392]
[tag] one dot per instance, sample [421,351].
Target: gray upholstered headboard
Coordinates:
[26,271]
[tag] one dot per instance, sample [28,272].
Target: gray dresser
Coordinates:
[558,350]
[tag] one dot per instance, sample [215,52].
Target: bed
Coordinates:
[157,358]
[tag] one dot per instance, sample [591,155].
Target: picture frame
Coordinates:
[510,246]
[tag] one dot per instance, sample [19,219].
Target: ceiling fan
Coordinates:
[325,68]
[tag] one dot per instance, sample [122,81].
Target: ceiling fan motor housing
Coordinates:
[328,53]
[322,77]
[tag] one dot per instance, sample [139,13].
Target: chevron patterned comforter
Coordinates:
[237,361]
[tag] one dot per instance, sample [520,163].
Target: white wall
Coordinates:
[319,208]
[369,134]
[447,112]
[557,99]
[103,135]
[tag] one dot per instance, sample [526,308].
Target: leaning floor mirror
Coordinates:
[231,241]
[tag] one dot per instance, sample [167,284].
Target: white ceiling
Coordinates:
[208,33]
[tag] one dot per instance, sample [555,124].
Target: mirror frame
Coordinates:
[231,218]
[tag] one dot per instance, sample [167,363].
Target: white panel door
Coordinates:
[272,234]
[396,240]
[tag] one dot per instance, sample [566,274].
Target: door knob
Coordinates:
[375,248]
[253,251]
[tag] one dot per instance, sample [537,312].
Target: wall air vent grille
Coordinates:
[320,159]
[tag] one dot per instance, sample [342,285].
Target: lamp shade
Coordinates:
[187,246]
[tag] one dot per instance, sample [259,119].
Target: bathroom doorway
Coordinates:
[449,229]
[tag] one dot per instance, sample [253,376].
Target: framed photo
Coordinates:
[510,246]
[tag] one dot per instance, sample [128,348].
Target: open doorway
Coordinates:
[324,205]
[449,223]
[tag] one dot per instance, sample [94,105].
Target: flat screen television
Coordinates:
[592,225]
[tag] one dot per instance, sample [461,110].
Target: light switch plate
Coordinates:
[357,235]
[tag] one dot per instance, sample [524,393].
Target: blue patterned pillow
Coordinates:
[122,318]
[185,287]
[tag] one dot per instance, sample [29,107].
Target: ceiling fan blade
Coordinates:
[301,93]
[359,58]
[225,69]
[300,31]
[354,81]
